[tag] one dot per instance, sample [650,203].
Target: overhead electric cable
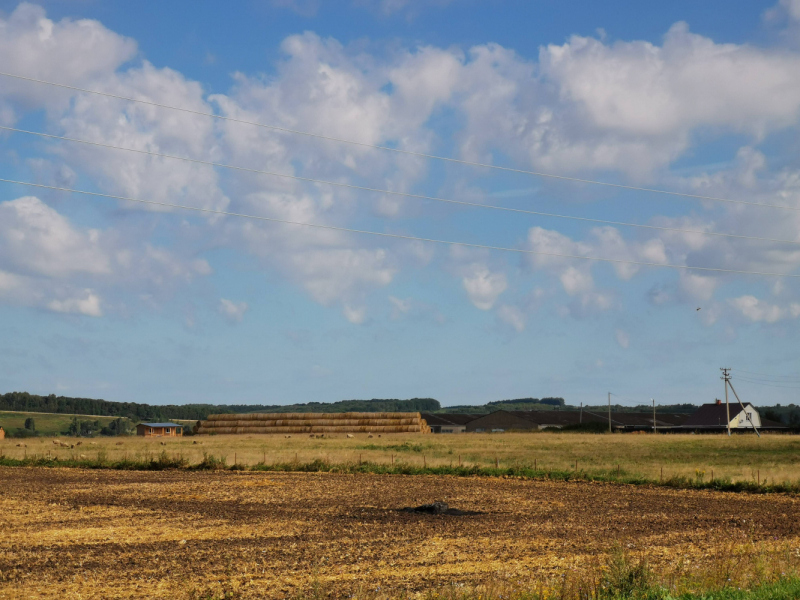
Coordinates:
[397,150]
[773,385]
[400,236]
[390,192]
[766,375]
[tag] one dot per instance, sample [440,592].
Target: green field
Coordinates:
[46,423]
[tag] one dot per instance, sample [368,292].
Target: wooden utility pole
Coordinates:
[609,412]
[725,377]
[581,417]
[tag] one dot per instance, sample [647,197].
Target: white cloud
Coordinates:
[628,106]
[74,52]
[757,310]
[513,316]
[355,314]
[36,239]
[88,304]
[586,104]
[483,286]
[47,261]
[232,311]
[622,338]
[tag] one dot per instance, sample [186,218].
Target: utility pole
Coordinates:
[609,413]
[581,418]
[746,414]
[726,377]
[654,415]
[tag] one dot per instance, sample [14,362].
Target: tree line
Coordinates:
[25,402]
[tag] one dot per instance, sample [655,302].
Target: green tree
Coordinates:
[30,424]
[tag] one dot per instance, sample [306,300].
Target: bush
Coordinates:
[30,424]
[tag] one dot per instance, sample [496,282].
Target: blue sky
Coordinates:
[105,298]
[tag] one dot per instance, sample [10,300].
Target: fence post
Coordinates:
[662,474]
[459,460]
[424,461]
[496,463]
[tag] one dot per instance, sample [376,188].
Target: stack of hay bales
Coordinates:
[314,423]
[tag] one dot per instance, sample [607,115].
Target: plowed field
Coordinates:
[107,534]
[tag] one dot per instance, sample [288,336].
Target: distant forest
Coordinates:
[25,402]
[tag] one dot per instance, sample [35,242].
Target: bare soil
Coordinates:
[109,534]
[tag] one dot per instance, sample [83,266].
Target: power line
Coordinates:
[766,375]
[403,237]
[398,150]
[390,192]
[773,385]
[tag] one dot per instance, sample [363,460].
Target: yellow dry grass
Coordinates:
[773,458]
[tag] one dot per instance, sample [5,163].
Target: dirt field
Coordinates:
[68,533]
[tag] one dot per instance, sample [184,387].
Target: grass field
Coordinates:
[772,458]
[47,424]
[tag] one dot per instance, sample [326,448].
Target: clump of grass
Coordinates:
[404,447]
[211,463]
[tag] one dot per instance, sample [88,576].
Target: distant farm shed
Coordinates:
[718,415]
[159,429]
[448,422]
[353,422]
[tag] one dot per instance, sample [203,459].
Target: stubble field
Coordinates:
[70,533]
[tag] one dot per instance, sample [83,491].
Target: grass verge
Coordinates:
[166,461]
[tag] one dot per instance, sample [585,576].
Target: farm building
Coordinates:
[448,423]
[352,422]
[159,429]
[528,420]
[715,416]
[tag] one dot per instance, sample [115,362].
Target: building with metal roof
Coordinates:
[159,429]
[448,423]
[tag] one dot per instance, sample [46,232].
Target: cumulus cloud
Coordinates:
[36,239]
[483,286]
[77,52]
[232,311]
[584,105]
[47,261]
[760,311]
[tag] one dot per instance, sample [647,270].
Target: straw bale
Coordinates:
[287,429]
[311,416]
